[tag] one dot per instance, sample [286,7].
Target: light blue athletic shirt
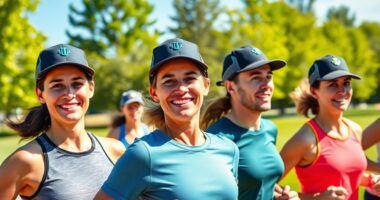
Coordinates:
[122,134]
[157,167]
[260,165]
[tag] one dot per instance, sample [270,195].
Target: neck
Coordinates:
[244,117]
[187,133]
[71,137]
[332,124]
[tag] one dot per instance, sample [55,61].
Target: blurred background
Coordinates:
[118,37]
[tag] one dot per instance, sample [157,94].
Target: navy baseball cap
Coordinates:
[131,96]
[173,49]
[246,58]
[329,67]
[61,54]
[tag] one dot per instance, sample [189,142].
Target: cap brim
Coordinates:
[337,74]
[133,100]
[274,65]
[85,68]
[202,65]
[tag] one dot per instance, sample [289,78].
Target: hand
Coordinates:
[334,193]
[285,193]
[375,184]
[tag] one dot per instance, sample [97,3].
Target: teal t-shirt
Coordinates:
[260,165]
[157,167]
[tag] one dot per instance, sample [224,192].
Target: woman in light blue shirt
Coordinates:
[178,160]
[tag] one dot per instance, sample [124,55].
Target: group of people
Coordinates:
[226,152]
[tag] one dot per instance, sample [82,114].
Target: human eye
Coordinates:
[77,84]
[57,86]
[169,82]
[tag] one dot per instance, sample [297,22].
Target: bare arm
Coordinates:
[114,148]
[299,150]
[21,172]
[371,135]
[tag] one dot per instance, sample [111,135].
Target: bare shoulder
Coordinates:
[28,155]
[355,127]
[305,135]
[23,170]
[113,147]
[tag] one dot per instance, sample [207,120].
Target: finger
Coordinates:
[286,189]
[277,188]
[340,191]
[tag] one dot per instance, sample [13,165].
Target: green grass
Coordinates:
[287,126]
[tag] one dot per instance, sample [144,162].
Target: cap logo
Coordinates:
[63,51]
[176,46]
[335,61]
[256,51]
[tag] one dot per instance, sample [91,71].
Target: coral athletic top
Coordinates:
[340,162]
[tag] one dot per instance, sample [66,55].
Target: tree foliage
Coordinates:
[19,47]
[116,35]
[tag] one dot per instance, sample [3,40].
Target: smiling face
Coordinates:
[254,89]
[334,95]
[66,93]
[179,87]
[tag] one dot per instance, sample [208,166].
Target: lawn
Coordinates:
[287,126]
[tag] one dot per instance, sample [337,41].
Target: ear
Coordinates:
[313,93]
[207,86]
[230,86]
[40,96]
[153,94]
[91,88]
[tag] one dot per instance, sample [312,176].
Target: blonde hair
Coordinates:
[214,111]
[303,99]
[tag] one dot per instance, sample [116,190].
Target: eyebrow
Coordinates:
[169,75]
[60,80]
[255,72]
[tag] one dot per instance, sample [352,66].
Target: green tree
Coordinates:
[199,21]
[117,38]
[290,38]
[372,32]
[111,28]
[352,44]
[342,14]
[19,47]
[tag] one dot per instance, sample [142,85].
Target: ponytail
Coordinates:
[303,99]
[35,122]
[214,111]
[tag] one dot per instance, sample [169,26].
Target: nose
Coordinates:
[70,92]
[183,87]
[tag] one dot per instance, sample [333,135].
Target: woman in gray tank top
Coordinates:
[63,161]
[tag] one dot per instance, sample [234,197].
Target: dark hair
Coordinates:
[37,120]
[303,99]
[118,120]
[215,110]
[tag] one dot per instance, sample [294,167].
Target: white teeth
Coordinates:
[68,106]
[183,101]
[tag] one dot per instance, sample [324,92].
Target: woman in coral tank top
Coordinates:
[326,152]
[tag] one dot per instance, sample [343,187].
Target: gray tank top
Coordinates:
[69,175]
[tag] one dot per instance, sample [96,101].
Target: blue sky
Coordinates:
[51,17]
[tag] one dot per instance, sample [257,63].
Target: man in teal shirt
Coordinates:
[247,77]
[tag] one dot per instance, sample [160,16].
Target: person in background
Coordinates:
[63,161]
[326,152]
[128,126]
[248,78]
[371,136]
[178,160]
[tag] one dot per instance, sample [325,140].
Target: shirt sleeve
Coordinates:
[130,175]
[236,161]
